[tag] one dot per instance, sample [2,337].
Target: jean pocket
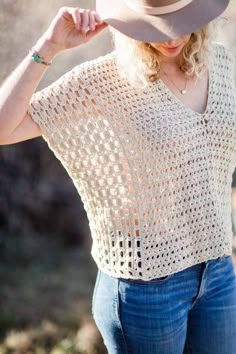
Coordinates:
[159,280]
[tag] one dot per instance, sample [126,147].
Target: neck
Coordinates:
[171,64]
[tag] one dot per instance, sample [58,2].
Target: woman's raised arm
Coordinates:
[71,27]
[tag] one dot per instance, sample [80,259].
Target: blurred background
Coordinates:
[46,271]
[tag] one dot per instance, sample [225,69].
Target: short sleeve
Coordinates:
[225,56]
[57,107]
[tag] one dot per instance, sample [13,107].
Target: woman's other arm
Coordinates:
[71,27]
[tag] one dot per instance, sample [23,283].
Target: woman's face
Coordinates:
[173,48]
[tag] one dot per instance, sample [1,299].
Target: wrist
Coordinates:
[45,49]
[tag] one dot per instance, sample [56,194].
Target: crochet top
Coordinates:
[154,176]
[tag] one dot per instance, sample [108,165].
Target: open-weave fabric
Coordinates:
[154,176]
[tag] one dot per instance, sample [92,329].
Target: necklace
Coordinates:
[182,91]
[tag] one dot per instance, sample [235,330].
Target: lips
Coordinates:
[172,47]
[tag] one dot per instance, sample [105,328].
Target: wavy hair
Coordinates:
[140,63]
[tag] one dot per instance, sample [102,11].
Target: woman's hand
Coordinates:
[70,28]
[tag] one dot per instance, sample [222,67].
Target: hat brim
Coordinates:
[149,28]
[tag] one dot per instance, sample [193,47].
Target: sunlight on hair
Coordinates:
[140,63]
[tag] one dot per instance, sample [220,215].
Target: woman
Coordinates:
[147,134]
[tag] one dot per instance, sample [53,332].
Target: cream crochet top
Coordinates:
[154,176]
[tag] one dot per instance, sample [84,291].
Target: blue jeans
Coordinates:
[192,311]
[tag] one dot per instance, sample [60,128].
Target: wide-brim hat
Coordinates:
[159,20]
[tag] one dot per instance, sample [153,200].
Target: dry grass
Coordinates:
[45,302]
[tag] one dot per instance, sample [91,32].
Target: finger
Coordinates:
[73,13]
[98,29]
[85,20]
[91,21]
[97,17]
[77,19]
[101,27]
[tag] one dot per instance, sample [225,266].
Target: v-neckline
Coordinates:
[177,100]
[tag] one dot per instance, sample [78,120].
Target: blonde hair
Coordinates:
[140,63]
